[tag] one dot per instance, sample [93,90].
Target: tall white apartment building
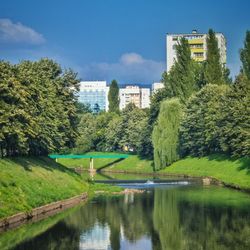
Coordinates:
[198,46]
[95,94]
[134,94]
[156,86]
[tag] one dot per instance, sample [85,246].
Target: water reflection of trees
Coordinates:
[184,224]
[171,221]
[167,217]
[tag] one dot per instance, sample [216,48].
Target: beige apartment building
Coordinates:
[198,46]
[134,94]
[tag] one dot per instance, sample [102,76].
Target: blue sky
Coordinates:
[114,39]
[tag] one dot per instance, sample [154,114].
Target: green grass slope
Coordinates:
[26,183]
[230,171]
[131,164]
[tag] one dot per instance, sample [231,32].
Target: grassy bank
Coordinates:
[230,171]
[26,183]
[132,164]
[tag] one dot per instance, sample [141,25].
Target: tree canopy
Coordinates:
[38,107]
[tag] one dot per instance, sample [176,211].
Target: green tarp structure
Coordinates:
[93,156]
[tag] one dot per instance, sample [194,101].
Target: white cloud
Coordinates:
[18,33]
[130,68]
[131,58]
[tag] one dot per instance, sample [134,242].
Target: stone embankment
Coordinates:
[40,212]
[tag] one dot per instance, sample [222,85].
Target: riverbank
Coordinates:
[227,171]
[31,182]
[230,172]
[220,169]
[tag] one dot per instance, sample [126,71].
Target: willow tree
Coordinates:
[166,133]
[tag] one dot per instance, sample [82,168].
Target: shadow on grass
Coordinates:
[110,164]
[40,161]
[244,161]
[245,164]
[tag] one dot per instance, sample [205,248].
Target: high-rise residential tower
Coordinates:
[198,46]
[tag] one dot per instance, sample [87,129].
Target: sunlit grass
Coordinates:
[131,164]
[26,183]
[230,171]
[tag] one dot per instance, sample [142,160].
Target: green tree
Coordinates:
[113,97]
[245,55]
[155,103]
[15,121]
[146,147]
[166,133]
[134,121]
[38,102]
[82,108]
[183,78]
[235,119]
[200,127]
[114,133]
[86,133]
[213,67]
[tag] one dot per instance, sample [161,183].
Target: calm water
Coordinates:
[165,217]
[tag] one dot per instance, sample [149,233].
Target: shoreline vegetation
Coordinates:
[229,171]
[28,182]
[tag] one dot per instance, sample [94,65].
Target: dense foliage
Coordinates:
[216,111]
[235,119]
[111,131]
[200,127]
[38,111]
[166,133]
[113,97]
[217,119]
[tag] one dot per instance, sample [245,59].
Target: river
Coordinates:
[168,215]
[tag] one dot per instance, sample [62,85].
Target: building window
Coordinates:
[198,54]
[197,46]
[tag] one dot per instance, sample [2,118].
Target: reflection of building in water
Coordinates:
[96,238]
[129,198]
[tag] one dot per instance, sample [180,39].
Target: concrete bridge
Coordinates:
[91,158]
